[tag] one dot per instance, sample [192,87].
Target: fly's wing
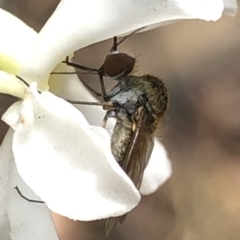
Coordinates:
[135,161]
[139,150]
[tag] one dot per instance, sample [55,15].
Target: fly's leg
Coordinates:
[78,66]
[111,108]
[110,114]
[115,90]
[116,43]
[91,70]
[105,105]
[27,199]
[103,89]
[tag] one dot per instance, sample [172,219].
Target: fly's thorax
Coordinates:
[126,99]
[156,95]
[150,88]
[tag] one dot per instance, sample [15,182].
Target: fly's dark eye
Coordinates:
[118,64]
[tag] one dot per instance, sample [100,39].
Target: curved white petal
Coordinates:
[67,163]
[5,162]
[158,170]
[11,85]
[16,42]
[11,116]
[19,219]
[76,24]
[27,220]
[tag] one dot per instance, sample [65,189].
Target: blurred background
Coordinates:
[199,62]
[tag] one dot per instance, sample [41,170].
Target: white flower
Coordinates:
[66,161]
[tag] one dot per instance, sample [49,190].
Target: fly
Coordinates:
[139,103]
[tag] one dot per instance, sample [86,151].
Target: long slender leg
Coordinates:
[116,44]
[115,90]
[103,89]
[73,73]
[107,96]
[92,70]
[107,105]
[22,80]
[110,114]
[27,199]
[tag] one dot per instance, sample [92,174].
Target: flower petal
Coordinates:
[16,42]
[27,220]
[76,24]
[20,219]
[5,160]
[11,116]
[158,170]
[11,85]
[67,163]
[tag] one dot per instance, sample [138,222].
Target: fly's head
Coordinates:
[117,65]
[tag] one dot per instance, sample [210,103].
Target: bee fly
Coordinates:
[138,103]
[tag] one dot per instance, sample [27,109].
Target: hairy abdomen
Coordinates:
[120,140]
